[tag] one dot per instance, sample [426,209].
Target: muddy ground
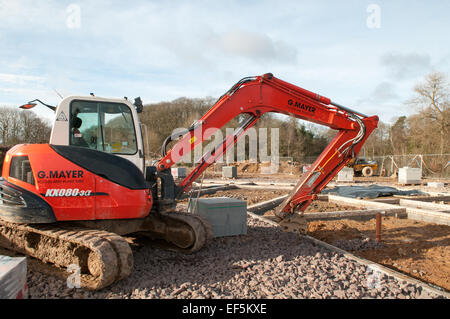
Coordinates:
[419,249]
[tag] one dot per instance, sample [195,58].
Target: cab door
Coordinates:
[106,126]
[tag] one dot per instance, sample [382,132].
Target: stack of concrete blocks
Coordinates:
[13,278]
[178,172]
[409,175]
[345,175]
[228,216]
[229,172]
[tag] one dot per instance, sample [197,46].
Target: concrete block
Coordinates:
[13,277]
[409,175]
[229,171]
[178,172]
[228,216]
[345,175]
[435,184]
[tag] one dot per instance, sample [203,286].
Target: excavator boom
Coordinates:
[258,95]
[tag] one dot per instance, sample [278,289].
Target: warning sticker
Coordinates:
[62,117]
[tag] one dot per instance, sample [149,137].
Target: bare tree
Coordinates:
[433,100]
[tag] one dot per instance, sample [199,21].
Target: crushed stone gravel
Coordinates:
[357,244]
[265,263]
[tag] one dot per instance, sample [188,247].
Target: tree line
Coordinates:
[21,126]
[424,132]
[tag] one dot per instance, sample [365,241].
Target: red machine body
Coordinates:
[73,192]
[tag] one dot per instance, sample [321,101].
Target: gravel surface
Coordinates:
[357,244]
[267,263]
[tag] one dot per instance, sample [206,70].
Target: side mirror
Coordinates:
[28,106]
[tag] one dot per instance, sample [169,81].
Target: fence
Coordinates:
[432,165]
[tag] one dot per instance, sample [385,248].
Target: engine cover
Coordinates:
[63,183]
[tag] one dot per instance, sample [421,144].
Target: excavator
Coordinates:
[71,201]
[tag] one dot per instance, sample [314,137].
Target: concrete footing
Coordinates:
[345,175]
[357,214]
[178,172]
[228,216]
[437,217]
[229,172]
[13,277]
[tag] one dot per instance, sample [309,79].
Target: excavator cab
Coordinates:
[107,125]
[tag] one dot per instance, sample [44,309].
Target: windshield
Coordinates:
[103,126]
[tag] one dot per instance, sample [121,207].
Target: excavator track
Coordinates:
[183,232]
[103,257]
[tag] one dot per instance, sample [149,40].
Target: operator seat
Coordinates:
[77,138]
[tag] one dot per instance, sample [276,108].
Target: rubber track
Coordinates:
[200,227]
[110,257]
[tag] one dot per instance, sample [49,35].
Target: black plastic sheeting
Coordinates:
[372,191]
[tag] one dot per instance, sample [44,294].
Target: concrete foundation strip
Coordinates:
[430,198]
[266,205]
[374,266]
[357,214]
[441,218]
[262,207]
[210,190]
[248,182]
[268,187]
[425,205]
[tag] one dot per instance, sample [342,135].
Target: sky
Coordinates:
[366,55]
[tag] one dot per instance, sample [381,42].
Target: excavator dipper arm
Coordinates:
[258,95]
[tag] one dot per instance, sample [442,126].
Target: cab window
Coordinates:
[102,126]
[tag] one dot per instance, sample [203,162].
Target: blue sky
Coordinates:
[162,50]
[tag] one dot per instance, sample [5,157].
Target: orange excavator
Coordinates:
[72,200]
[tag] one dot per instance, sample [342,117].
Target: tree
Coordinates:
[433,100]
[379,143]
[398,136]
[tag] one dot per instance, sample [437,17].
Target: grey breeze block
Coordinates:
[229,171]
[228,216]
[178,172]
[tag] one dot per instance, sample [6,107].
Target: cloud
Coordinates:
[254,46]
[19,79]
[383,100]
[384,92]
[402,66]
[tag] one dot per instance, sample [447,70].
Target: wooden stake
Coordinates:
[378,228]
